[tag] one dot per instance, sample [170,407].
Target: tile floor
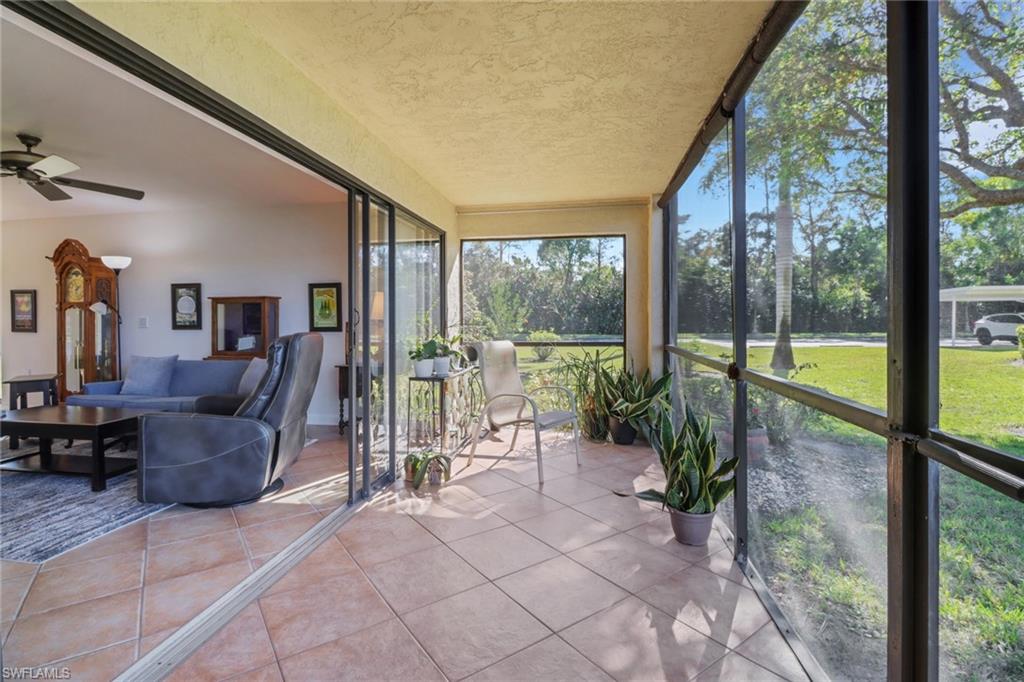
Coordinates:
[96,608]
[490,577]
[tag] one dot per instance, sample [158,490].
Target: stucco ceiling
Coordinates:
[124,135]
[498,103]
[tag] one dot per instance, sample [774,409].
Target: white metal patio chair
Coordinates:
[508,404]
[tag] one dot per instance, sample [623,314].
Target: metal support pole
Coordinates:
[913,213]
[739,322]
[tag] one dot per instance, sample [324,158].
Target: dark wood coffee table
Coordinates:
[80,423]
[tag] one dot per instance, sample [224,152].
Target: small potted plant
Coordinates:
[447,351]
[427,465]
[630,400]
[696,482]
[423,355]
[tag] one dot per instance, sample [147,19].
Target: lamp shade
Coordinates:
[117,263]
[377,307]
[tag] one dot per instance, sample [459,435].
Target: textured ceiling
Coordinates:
[498,103]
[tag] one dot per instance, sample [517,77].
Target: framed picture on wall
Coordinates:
[187,306]
[325,307]
[23,310]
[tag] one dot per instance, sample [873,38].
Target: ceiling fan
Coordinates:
[44,173]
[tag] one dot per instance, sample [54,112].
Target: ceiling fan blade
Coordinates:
[49,190]
[100,187]
[52,166]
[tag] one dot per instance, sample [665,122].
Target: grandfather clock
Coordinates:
[86,340]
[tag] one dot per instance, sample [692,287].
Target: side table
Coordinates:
[22,385]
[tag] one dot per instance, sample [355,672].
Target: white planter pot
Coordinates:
[424,368]
[442,366]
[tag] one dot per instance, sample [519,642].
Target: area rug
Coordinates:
[43,515]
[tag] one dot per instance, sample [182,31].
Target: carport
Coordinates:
[979,294]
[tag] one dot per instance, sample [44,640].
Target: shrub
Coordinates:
[545,351]
[1020,340]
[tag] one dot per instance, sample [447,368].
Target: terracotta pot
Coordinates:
[623,433]
[410,470]
[691,529]
[757,443]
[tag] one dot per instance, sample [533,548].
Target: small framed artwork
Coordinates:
[325,307]
[23,310]
[187,306]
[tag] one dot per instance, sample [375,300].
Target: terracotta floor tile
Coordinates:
[659,533]
[322,462]
[735,668]
[268,673]
[610,478]
[722,563]
[634,641]
[484,483]
[710,604]
[629,562]
[372,539]
[324,489]
[560,592]
[12,595]
[127,539]
[524,470]
[451,521]
[73,630]
[502,551]
[383,651]
[5,629]
[84,581]
[171,603]
[551,659]
[769,649]
[185,526]
[415,580]
[621,513]
[240,646]
[471,630]
[16,569]
[273,536]
[566,529]
[270,509]
[326,561]
[570,489]
[522,503]
[102,665]
[309,616]
[190,556]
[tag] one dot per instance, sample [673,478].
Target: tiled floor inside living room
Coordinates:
[95,608]
[490,577]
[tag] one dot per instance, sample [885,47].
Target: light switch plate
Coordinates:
[143,323]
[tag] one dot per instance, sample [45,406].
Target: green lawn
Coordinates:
[981,544]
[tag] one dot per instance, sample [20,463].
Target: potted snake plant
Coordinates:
[630,400]
[696,482]
[427,465]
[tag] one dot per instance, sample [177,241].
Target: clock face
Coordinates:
[74,286]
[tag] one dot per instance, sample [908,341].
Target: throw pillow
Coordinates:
[149,376]
[251,378]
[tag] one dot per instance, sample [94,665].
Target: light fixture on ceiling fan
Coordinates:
[44,173]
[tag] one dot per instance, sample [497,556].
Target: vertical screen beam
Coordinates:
[365,359]
[390,343]
[739,320]
[350,343]
[913,200]
[670,237]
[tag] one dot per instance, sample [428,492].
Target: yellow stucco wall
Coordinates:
[631,218]
[207,41]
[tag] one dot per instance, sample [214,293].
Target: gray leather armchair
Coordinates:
[218,460]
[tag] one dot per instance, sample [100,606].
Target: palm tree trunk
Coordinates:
[782,355]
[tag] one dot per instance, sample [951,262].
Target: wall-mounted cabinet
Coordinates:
[243,326]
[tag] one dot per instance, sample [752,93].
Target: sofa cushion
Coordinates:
[251,378]
[207,377]
[136,402]
[149,376]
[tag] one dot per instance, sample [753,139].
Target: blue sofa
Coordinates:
[191,380]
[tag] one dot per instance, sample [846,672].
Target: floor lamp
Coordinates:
[117,264]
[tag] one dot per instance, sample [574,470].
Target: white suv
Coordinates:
[998,327]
